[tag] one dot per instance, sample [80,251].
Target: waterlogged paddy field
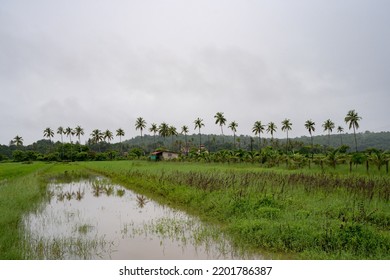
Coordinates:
[216,211]
[95,219]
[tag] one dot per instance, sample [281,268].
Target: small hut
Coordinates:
[163,155]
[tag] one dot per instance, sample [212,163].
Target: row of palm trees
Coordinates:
[164,130]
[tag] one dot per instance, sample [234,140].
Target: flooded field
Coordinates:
[95,219]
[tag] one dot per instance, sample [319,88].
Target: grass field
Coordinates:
[300,214]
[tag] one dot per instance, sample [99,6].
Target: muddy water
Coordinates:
[94,219]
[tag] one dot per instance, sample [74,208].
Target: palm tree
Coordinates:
[49,133]
[154,129]
[140,124]
[328,125]
[198,124]
[172,132]
[257,129]
[286,126]
[220,119]
[97,136]
[18,141]
[120,132]
[61,131]
[352,118]
[163,130]
[271,128]
[233,126]
[108,136]
[184,130]
[310,126]
[340,130]
[78,132]
[69,133]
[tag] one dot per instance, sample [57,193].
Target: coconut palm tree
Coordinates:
[172,132]
[69,133]
[78,132]
[18,141]
[163,130]
[220,119]
[153,128]
[61,131]
[184,130]
[49,133]
[328,125]
[286,126]
[97,136]
[352,118]
[340,130]
[257,129]
[233,126]
[108,136]
[120,132]
[271,128]
[310,126]
[198,124]
[140,124]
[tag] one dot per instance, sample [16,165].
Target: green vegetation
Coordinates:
[319,212]
[307,214]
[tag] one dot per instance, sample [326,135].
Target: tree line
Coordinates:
[165,136]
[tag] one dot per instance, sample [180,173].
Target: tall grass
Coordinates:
[20,191]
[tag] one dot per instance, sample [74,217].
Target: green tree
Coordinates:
[286,126]
[328,126]
[18,141]
[153,128]
[120,132]
[271,128]
[184,130]
[220,119]
[61,131]
[108,136]
[233,126]
[97,137]
[78,132]
[48,133]
[163,130]
[340,130]
[172,132]
[69,133]
[310,126]
[257,129]
[140,124]
[352,119]
[198,125]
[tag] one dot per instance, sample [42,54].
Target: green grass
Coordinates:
[302,214]
[20,190]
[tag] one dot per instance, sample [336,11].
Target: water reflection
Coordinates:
[94,219]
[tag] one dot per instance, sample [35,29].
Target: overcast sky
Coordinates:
[101,64]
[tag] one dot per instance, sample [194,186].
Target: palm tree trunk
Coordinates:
[354,133]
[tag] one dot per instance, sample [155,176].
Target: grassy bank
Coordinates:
[20,191]
[310,215]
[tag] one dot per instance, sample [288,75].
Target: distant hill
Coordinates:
[365,140]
